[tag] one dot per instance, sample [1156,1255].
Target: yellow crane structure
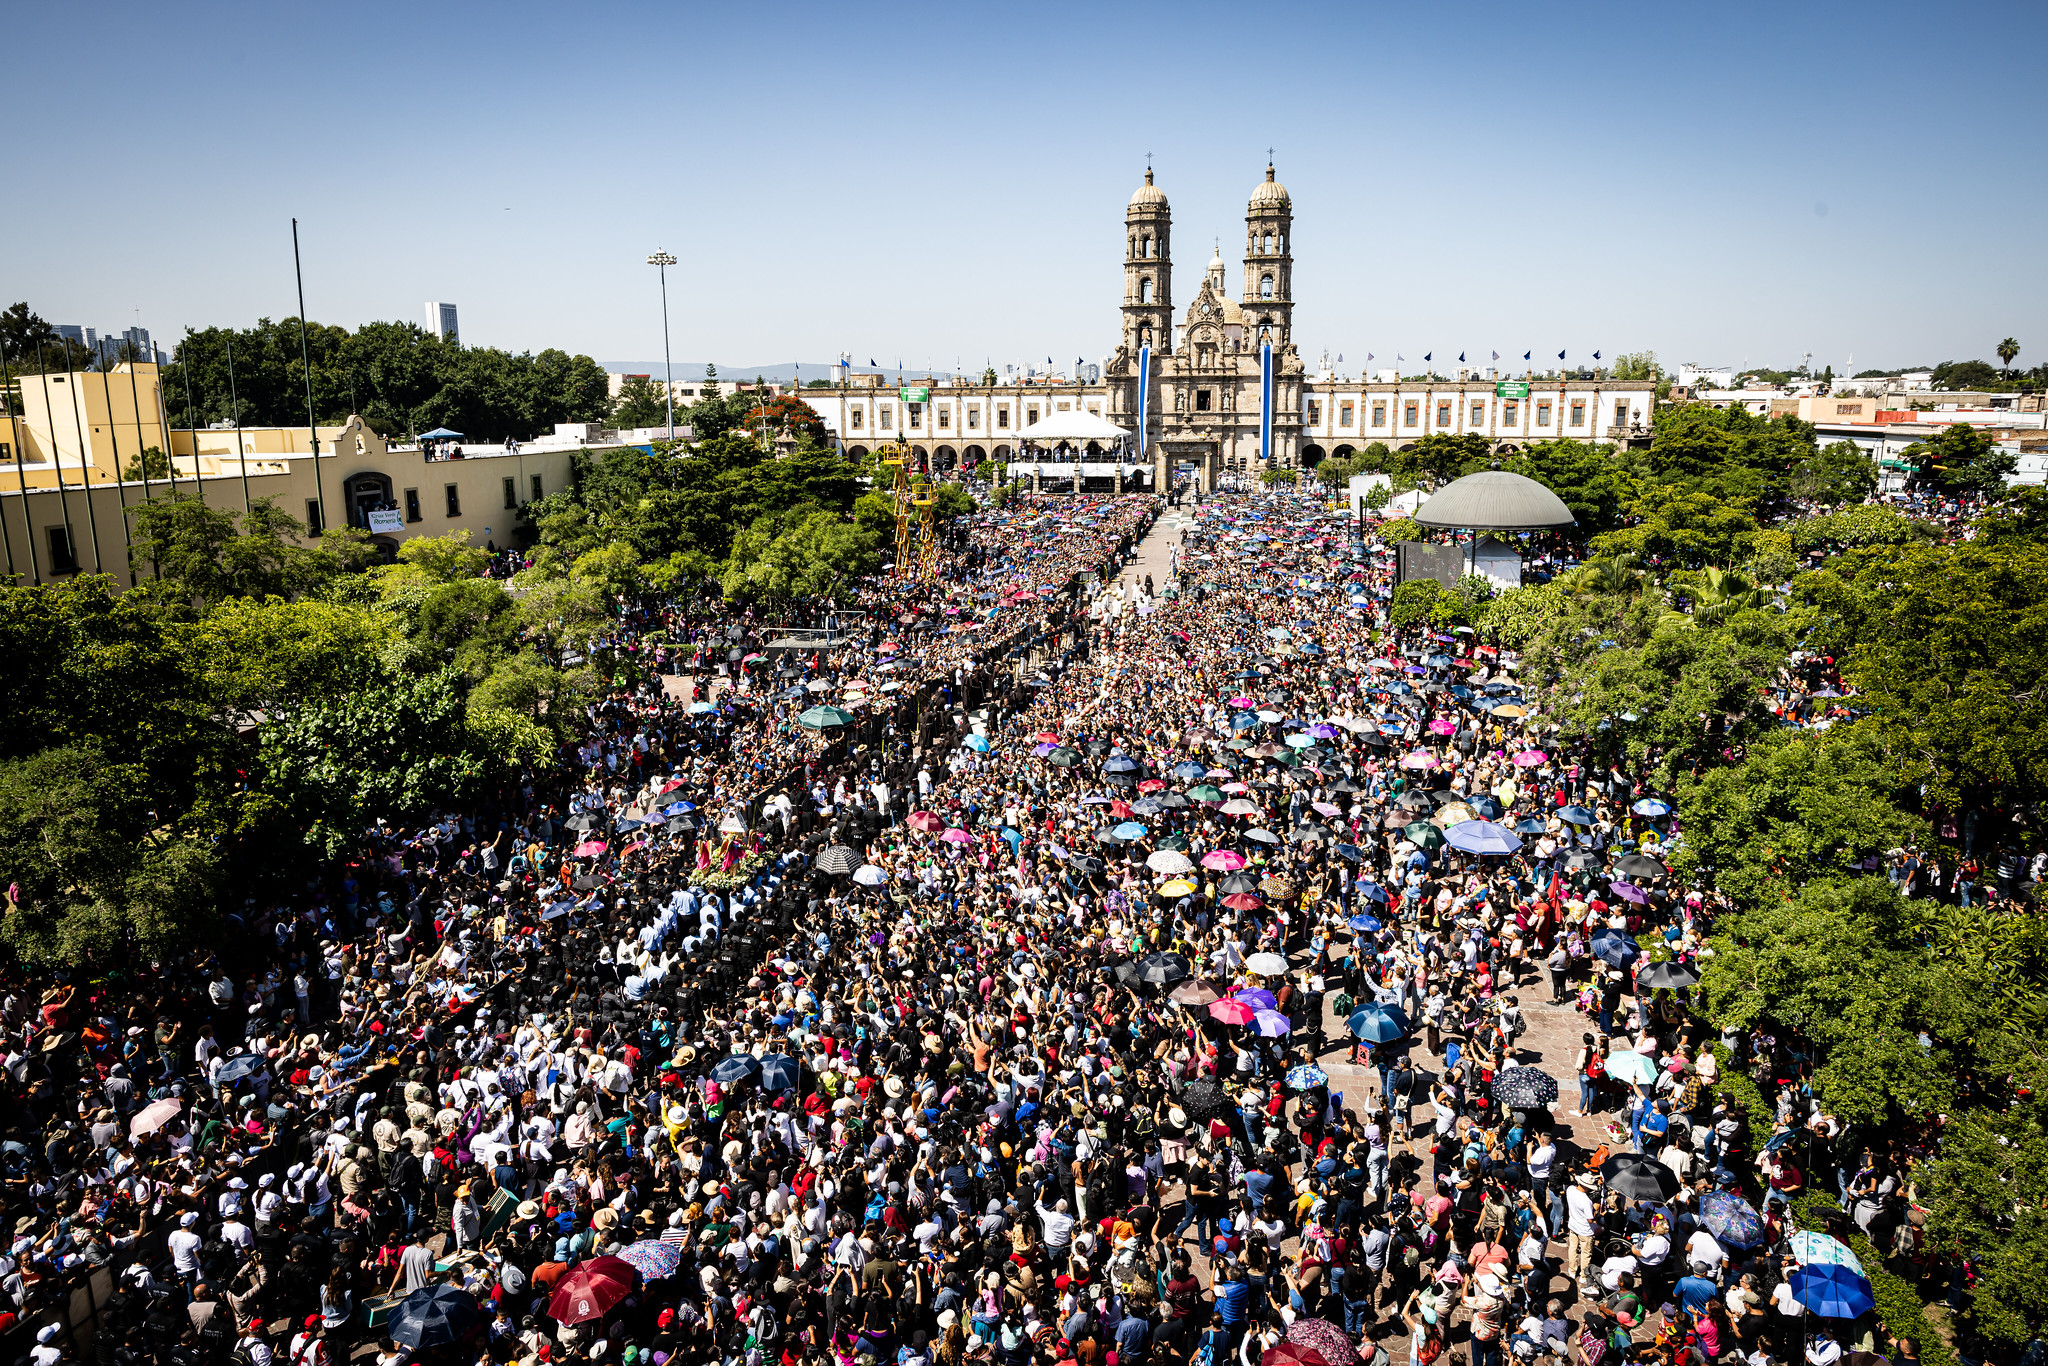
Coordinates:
[896,459]
[917,553]
[926,502]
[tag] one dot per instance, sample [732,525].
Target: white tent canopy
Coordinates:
[1074,425]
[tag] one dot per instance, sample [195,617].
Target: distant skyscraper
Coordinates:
[441,322]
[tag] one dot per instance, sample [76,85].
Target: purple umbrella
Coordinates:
[1271,1023]
[1257,998]
[1628,891]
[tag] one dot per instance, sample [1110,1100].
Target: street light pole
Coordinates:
[661,260]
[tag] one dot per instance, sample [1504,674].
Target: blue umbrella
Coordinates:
[1529,825]
[1651,807]
[1363,922]
[1306,1077]
[654,1259]
[738,1067]
[1833,1292]
[778,1072]
[1379,1024]
[1482,837]
[1372,891]
[1615,948]
[1120,763]
[1347,851]
[1129,830]
[1729,1218]
[977,743]
[234,1069]
[1576,815]
[1188,771]
[678,808]
[1487,805]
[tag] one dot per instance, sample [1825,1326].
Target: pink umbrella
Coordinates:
[1326,809]
[1529,758]
[1233,1012]
[1418,758]
[1443,725]
[153,1116]
[1227,860]
[589,849]
[927,821]
[1242,702]
[955,835]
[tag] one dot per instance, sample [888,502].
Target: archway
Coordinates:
[1002,453]
[975,455]
[944,461]
[856,452]
[363,493]
[1311,456]
[1507,448]
[1344,452]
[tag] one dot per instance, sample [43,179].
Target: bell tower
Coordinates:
[1269,265]
[1148,271]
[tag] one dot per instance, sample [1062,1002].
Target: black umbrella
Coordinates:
[1205,1100]
[1666,974]
[1639,866]
[1096,748]
[581,822]
[837,859]
[1162,968]
[1308,834]
[1582,862]
[432,1316]
[1524,1088]
[1085,865]
[1120,779]
[1639,1176]
[1238,882]
[1345,785]
[1414,800]
[1063,757]
[1171,800]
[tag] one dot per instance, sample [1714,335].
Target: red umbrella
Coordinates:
[1232,1011]
[925,821]
[589,849]
[1292,1354]
[590,1289]
[1150,785]
[1244,901]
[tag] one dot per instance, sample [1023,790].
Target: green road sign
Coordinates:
[1511,388]
[915,393]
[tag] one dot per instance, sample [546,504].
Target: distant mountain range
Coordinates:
[805,371]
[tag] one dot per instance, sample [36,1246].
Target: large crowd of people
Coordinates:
[1128,948]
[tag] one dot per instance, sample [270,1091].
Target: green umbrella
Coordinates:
[823,718]
[1174,841]
[1205,792]
[1425,835]
[1063,757]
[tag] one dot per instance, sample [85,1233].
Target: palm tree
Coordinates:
[1607,575]
[2007,349]
[1724,592]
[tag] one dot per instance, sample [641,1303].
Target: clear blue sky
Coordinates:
[1721,183]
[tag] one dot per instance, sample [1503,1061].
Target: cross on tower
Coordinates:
[1148,161]
[1269,155]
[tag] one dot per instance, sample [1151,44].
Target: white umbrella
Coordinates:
[1267,964]
[1262,836]
[732,825]
[1169,861]
[869,875]
[153,1116]
[1240,807]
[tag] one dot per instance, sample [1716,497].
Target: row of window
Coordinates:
[1510,413]
[913,417]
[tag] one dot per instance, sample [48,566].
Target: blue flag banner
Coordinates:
[1144,394]
[1266,401]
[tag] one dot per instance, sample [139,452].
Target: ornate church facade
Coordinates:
[1195,379]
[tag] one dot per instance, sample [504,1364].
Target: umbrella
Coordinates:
[1651,807]
[1666,975]
[1325,1339]
[1413,800]
[1238,882]
[1238,806]
[1379,1024]
[1418,758]
[589,849]
[1130,830]
[1271,1023]
[1226,860]
[1529,758]
[1262,836]
[1232,1011]
[1306,1077]
[1424,835]
[153,1116]
[1192,994]
[1576,815]
[1062,757]
[1580,861]
[955,835]
[1267,964]
[736,1068]
[1482,837]
[1169,861]
[1639,1176]
[1524,1088]
[1205,1100]
[653,1259]
[778,1072]
[590,1289]
[822,718]
[1292,1354]
[1821,1249]
[1629,892]
[1205,792]
[1364,922]
[234,1069]
[978,744]
[837,859]
[1631,1067]
[1639,866]
[1833,1292]
[1729,1218]
[1162,968]
[869,875]
[432,1316]
[581,822]
[1612,946]
[928,821]
[1175,888]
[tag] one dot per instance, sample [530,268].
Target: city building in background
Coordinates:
[441,322]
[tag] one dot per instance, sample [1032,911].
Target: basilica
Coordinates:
[1219,387]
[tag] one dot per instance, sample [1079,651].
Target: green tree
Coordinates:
[22,332]
[1683,527]
[1517,616]
[443,559]
[1952,375]
[1633,366]
[1443,456]
[212,554]
[1959,461]
[152,463]
[811,556]
[2007,350]
[641,403]
[1586,479]
[1839,472]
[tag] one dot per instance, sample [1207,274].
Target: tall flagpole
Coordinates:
[306,362]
